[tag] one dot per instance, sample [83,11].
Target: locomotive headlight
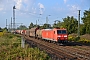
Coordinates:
[65,36]
[59,36]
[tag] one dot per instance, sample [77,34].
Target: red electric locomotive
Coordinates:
[56,34]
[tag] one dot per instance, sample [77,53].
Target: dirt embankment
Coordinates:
[86,36]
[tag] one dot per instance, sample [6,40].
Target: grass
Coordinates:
[1,34]
[10,49]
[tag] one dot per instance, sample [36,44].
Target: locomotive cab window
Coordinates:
[61,31]
[58,31]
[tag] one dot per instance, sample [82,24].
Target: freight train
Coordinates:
[55,34]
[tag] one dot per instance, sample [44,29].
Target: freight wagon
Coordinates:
[27,33]
[39,33]
[32,32]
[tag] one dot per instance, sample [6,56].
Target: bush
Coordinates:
[78,39]
[1,33]
[84,41]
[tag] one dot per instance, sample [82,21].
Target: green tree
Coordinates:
[58,24]
[46,26]
[86,21]
[31,25]
[71,24]
[5,29]
[82,29]
[22,27]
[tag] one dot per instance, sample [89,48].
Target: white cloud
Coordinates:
[5,5]
[18,4]
[34,10]
[41,7]
[1,6]
[25,6]
[73,9]
[65,1]
[1,9]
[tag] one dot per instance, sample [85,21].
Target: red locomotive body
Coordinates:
[57,35]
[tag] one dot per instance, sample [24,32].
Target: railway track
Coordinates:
[83,54]
[54,52]
[60,52]
[79,53]
[83,48]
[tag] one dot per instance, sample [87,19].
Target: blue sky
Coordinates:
[28,11]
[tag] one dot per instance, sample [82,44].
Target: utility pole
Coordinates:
[78,23]
[36,22]
[46,20]
[11,23]
[14,17]
[6,23]
[9,27]
[22,42]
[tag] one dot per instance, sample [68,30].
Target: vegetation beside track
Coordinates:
[81,39]
[10,49]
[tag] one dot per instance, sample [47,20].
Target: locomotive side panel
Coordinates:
[48,34]
[55,35]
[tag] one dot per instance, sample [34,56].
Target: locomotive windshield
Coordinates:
[61,32]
